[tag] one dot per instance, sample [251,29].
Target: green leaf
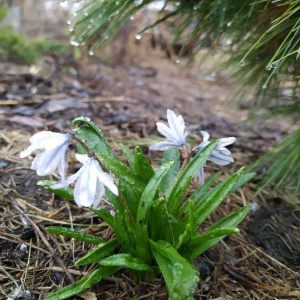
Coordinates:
[180,276]
[92,136]
[125,261]
[72,233]
[201,191]
[104,215]
[200,243]
[171,154]
[151,190]
[120,170]
[128,198]
[129,155]
[242,180]
[142,166]
[142,239]
[83,284]
[65,192]
[123,231]
[181,184]
[99,252]
[214,197]
[158,219]
[190,227]
[228,222]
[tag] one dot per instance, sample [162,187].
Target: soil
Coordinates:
[126,100]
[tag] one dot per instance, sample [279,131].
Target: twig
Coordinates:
[39,232]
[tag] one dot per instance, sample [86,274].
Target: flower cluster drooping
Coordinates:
[176,137]
[91,179]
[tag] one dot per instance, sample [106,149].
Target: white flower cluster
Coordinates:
[91,179]
[176,137]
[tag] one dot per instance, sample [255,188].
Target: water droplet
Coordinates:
[138,36]
[86,13]
[229,41]
[131,17]
[71,29]
[91,52]
[64,3]
[73,42]
[89,26]
[74,14]
[264,86]
[275,64]
[229,24]
[177,61]
[242,63]
[69,22]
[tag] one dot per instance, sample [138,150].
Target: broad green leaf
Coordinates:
[157,219]
[181,183]
[129,155]
[190,227]
[123,232]
[83,284]
[125,261]
[150,191]
[180,276]
[200,243]
[142,165]
[114,199]
[228,222]
[77,235]
[65,192]
[92,136]
[104,215]
[142,238]
[201,191]
[120,170]
[128,198]
[242,180]
[98,252]
[171,154]
[214,197]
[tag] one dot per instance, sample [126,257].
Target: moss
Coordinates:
[3,12]
[16,48]
[50,47]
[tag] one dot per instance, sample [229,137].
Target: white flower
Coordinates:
[220,155]
[54,146]
[175,133]
[91,180]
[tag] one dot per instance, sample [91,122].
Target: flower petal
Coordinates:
[205,135]
[177,126]
[220,159]
[99,194]
[165,131]
[225,142]
[161,146]
[108,181]
[83,158]
[201,175]
[27,151]
[85,187]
